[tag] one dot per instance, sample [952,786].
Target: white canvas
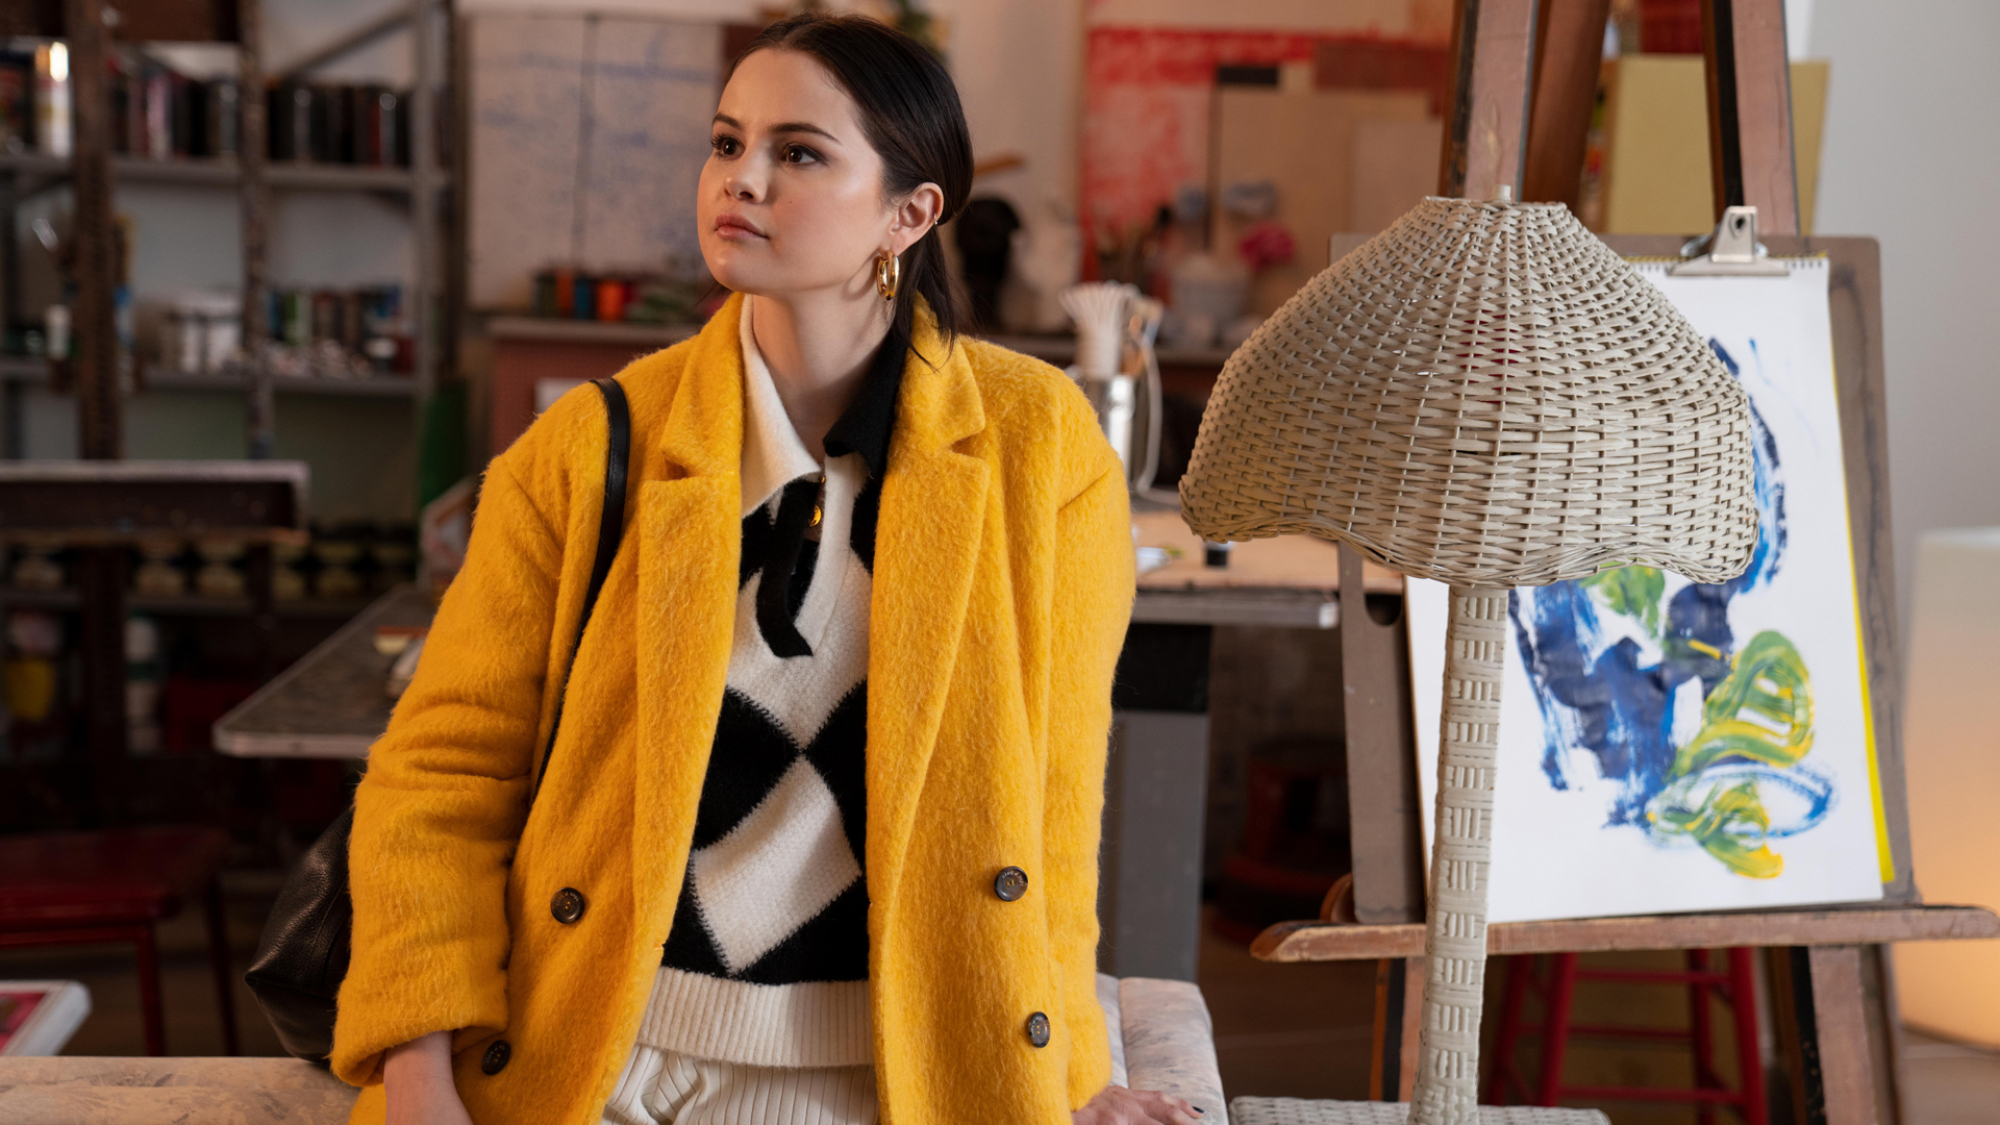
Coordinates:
[1646,726]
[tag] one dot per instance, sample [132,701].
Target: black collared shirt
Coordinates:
[780,544]
[868,422]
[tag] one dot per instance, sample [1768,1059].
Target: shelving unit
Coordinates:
[425,187]
[245,638]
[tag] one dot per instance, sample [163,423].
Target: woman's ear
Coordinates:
[921,210]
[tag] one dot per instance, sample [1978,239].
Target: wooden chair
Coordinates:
[81,888]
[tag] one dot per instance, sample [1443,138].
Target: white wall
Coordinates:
[1798,28]
[1911,156]
[1019,69]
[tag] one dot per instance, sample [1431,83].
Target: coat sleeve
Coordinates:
[1093,587]
[438,814]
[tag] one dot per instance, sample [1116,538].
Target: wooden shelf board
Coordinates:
[29,369]
[1854,925]
[559,330]
[188,605]
[224,172]
[374,386]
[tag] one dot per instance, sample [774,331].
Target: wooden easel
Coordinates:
[1523,87]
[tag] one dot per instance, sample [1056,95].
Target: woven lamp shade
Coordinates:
[1483,394]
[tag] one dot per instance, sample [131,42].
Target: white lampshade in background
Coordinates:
[1951,747]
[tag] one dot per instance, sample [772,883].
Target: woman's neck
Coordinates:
[818,348]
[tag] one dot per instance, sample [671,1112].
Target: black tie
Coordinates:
[774,611]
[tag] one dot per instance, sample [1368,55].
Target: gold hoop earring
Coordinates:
[888,271]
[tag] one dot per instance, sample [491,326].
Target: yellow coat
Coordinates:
[1003,582]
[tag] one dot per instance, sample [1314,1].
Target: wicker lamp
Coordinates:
[1486,395]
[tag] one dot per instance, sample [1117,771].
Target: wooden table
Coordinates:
[333,703]
[1291,581]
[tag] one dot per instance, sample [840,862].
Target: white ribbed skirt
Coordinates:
[660,1086]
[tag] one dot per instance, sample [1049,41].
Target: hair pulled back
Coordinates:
[909,110]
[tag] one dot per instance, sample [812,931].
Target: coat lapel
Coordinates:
[689,541]
[927,546]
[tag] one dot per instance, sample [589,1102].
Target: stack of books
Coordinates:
[158,113]
[367,125]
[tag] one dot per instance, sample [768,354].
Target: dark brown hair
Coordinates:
[910,112]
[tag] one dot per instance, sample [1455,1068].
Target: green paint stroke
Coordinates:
[1635,591]
[1730,824]
[1761,712]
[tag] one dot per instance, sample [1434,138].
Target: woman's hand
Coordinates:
[1116,1105]
[416,1078]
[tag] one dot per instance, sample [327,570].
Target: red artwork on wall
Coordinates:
[1147,102]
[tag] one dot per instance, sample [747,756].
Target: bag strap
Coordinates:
[610,532]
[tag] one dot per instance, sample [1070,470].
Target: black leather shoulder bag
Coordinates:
[303,954]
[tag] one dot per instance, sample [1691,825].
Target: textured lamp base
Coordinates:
[1299,1111]
[1447,1086]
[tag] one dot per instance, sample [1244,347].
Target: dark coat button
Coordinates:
[1010,884]
[499,1051]
[1038,1030]
[567,906]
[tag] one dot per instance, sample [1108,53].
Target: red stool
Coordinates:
[78,888]
[1735,987]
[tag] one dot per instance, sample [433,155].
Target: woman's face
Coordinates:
[791,198]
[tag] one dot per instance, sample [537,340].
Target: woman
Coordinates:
[817,841]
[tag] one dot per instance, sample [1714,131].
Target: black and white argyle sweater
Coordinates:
[767,961]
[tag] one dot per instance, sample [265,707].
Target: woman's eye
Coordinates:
[724,145]
[800,154]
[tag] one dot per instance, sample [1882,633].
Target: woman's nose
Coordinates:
[748,188]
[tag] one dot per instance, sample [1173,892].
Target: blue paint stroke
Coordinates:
[1607,695]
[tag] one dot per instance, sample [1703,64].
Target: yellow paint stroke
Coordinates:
[1763,712]
[1885,856]
[1719,825]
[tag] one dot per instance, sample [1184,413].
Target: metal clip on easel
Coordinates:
[1731,251]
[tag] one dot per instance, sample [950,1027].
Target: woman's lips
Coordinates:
[735,227]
